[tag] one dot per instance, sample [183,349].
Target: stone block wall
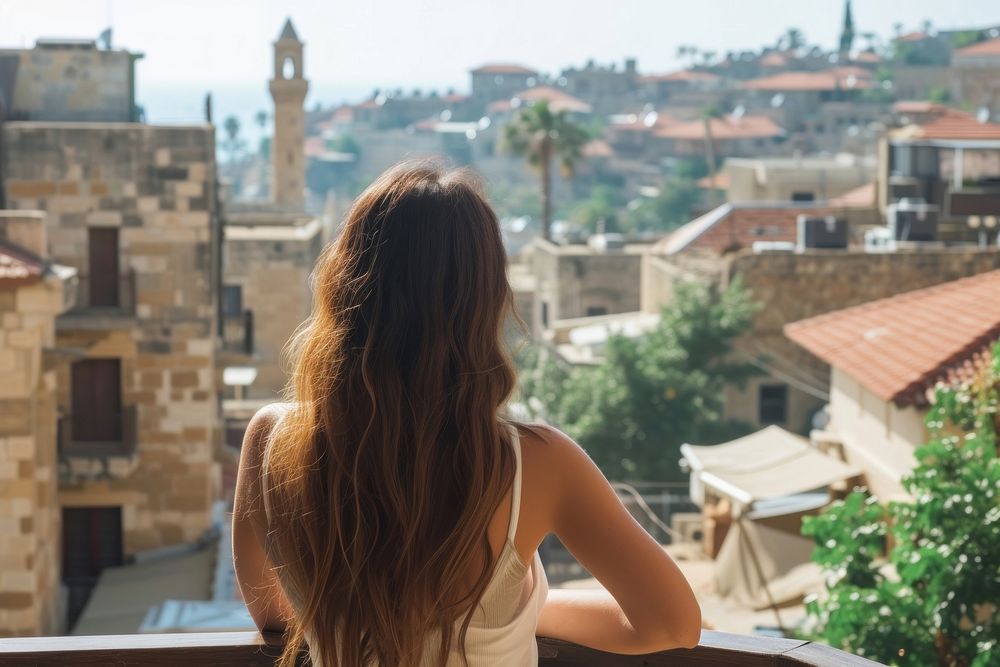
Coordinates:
[155,185]
[272,266]
[29,512]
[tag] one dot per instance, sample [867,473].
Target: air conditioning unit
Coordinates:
[688,526]
[879,239]
[825,233]
[913,221]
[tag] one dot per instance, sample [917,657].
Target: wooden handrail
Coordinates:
[716,649]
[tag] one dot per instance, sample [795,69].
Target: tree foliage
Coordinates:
[934,601]
[649,395]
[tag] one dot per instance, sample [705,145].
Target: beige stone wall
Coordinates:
[72,84]
[273,272]
[571,281]
[29,513]
[794,286]
[288,162]
[154,184]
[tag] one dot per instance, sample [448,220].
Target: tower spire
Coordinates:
[847,32]
[288,89]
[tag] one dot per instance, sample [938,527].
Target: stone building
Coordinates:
[33,293]
[288,89]
[976,75]
[268,259]
[795,179]
[132,208]
[68,80]
[500,81]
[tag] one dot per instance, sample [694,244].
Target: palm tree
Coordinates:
[793,39]
[540,135]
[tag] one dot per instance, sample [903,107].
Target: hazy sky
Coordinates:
[353,46]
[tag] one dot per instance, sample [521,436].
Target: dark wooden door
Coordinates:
[92,541]
[102,245]
[97,400]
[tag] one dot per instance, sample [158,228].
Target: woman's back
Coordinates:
[400,507]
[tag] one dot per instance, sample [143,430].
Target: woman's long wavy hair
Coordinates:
[383,476]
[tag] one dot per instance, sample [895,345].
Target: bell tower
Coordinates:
[288,90]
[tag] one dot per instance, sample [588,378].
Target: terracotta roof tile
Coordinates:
[990,47]
[901,346]
[681,75]
[745,127]
[838,78]
[18,267]
[950,124]
[558,100]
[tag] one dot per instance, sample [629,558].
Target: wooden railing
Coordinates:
[716,649]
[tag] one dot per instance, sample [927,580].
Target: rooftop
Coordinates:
[504,68]
[730,127]
[682,75]
[558,100]
[990,47]
[900,347]
[19,267]
[838,78]
[949,124]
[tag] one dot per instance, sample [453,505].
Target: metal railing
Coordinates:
[123,444]
[119,303]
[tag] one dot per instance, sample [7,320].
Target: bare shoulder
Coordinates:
[259,430]
[546,447]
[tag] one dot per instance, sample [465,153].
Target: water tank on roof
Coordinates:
[607,242]
[772,246]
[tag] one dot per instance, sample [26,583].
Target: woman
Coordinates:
[390,514]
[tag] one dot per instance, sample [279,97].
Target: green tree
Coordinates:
[264,147]
[233,144]
[937,602]
[603,205]
[540,136]
[649,395]
[669,209]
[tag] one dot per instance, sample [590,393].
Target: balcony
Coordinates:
[716,649]
[121,443]
[101,309]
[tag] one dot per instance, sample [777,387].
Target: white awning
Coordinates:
[767,464]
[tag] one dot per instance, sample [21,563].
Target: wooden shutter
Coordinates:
[97,400]
[104,275]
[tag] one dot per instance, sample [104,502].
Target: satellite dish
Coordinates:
[445,115]
[777,101]
[650,119]
[484,123]
[738,112]
[530,82]
[983,115]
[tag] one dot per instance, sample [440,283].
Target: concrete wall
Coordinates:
[877,436]
[779,183]
[155,185]
[72,84]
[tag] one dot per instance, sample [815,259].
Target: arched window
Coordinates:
[288,68]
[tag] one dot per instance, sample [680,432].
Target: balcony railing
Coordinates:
[122,444]
[716,649]
[91,302]
[237,333]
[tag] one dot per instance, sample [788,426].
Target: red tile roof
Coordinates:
[839,78]
[866,57]
[775,59]
[597,148]
[504,68]
[900,347]
[912,37]
[990,47]
[950,124]
[745,127]
[734,226]
[18,267]
[683,75]
[558,100]
[862,196]
[918,106]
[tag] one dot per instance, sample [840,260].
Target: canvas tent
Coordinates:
[770,463]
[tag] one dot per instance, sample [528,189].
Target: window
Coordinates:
[232,300]
[803,196]
[594,311]
[288,68]
[772,401]
[102,249]
[92,541]
[545,314]
[96,410]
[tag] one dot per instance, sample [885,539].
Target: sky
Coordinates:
[354,46]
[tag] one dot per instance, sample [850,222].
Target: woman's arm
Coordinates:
[255,575]
[648,605]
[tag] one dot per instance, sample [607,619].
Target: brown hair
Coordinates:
[393,459]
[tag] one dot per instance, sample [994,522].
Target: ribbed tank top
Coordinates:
[502,629]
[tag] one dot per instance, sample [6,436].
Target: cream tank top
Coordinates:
[502,629]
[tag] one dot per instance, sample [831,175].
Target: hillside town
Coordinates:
[151,276]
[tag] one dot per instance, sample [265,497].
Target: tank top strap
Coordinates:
[515,493]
